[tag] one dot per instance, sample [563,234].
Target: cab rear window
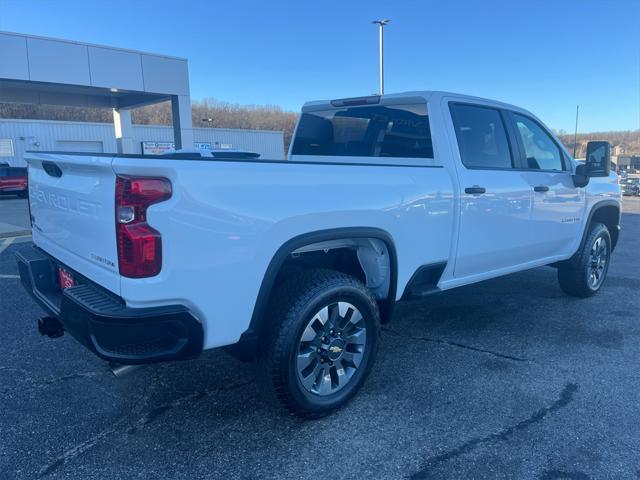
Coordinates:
[400,131]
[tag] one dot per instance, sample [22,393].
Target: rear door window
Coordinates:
[400,131]
[482,137]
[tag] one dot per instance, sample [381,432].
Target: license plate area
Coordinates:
[66,279]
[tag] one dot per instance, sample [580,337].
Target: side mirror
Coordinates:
[598,161]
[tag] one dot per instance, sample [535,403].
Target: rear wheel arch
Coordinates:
[246,348]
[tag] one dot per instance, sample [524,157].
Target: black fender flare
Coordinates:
[597,206]
[246,347]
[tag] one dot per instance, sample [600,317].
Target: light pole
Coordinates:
[575,134]
[381,24]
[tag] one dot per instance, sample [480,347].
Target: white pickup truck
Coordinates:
[297,263]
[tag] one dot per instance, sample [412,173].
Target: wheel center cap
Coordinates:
[336,349]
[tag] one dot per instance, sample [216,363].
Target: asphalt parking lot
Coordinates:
[14,216]
[509,378]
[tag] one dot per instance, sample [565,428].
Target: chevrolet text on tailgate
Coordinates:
[297,263]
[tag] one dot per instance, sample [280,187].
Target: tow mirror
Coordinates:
[598,161]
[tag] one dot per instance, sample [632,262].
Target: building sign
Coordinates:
[6,147]
[158,148]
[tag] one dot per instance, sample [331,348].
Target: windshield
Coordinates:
[373,131]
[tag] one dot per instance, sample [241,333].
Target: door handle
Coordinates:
[540,188]
[475,190]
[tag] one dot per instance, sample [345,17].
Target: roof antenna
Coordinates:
[575,134]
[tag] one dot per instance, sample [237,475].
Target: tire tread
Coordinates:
[289,299]
[571,275]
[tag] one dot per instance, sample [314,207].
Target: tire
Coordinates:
[584,274]
[294,360]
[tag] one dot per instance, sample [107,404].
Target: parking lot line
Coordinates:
[6,243]
[9,276]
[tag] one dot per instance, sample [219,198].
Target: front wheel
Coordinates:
[322,343]
[585,273]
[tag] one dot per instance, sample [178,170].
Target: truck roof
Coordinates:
[414,95]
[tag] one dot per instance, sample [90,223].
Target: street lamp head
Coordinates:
[382,23]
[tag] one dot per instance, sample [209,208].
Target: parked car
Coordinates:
[13,181]
[298,262]
[631,185]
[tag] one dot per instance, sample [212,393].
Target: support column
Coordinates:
[182,125]
[124,131]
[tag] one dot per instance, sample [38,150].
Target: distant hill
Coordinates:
[259,117]
[629,139]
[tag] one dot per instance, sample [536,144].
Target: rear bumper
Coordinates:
[103,323]
[12,190]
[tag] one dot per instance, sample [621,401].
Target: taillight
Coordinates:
[139,245]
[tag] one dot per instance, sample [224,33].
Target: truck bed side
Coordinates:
[226,220]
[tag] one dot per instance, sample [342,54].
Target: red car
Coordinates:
[13,181]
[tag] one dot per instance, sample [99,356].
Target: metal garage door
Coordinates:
[79,146]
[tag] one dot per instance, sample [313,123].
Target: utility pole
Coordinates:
[575,134]
[381,24]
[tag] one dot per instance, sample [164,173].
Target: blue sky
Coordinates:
[546,56]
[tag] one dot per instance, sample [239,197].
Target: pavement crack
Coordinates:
[117,426]
[28,376]
[158,411]
[130,422]
[459,345]
[564,475]
[73,376]
[565,398]
[22,371]
[79,449]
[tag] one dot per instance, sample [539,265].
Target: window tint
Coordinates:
[481,135]
[372,131]
[541,151]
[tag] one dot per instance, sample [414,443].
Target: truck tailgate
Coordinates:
[72,206]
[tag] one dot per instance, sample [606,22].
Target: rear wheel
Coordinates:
[585,273]
[325,328]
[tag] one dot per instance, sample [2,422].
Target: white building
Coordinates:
[18,136]
[50,71]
